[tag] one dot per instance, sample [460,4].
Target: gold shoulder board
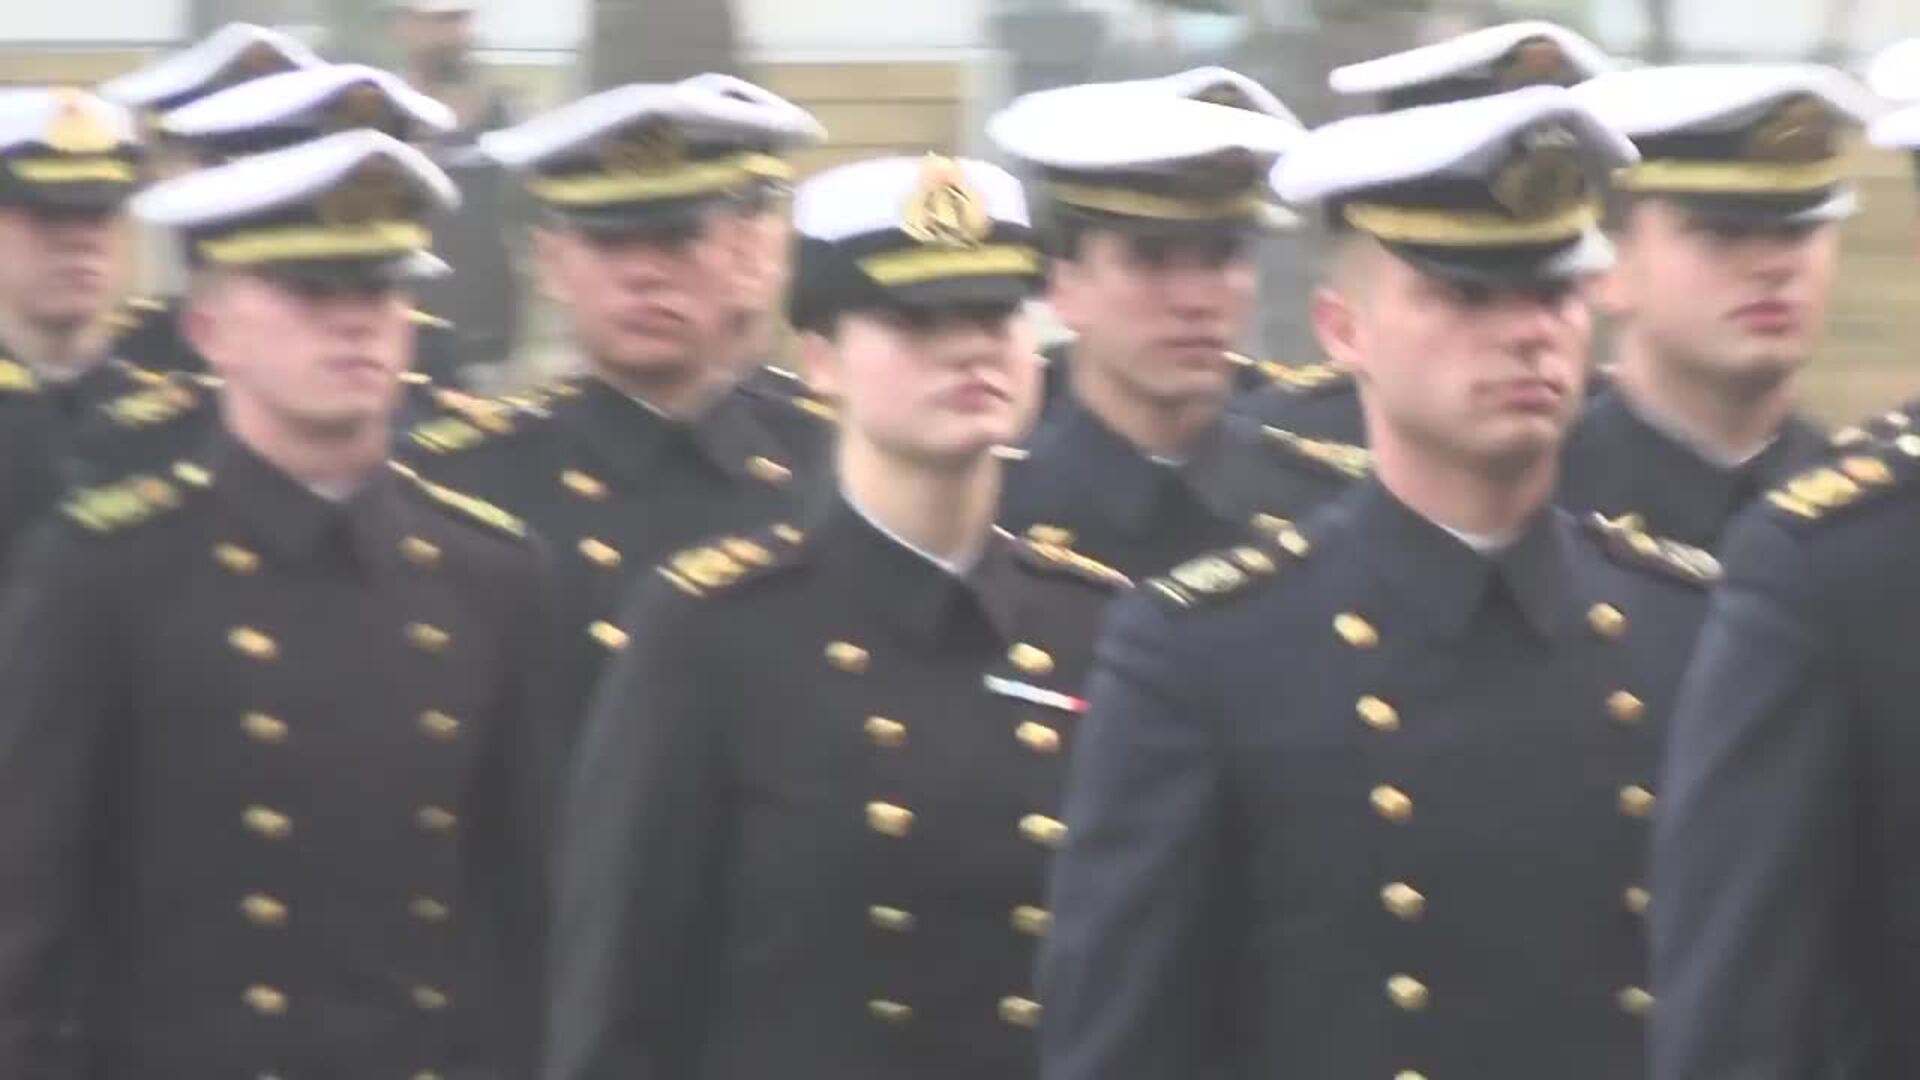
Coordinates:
[1623,538]
[476,509]
[1346,458]
[123,504]
[1210,577]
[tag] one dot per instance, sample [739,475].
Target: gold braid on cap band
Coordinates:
[373,239]
[1731,177]
[917,265]
[78,170]
[1466,228]
[1140,204]
[672,182]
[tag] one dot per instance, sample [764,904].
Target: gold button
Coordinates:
[191,475]
[608,635]
[890,919]
[891,1012]
[789,534]
[1355,630]
[429,998]
[236,558]
[1637,899]
[882,732]
[1635,1001]
[1867,470]
[769,470]
[1636,802]
[1038,738]
[1020,1012]
[263,910]
[436,819]
[1392,803]
[847,656]
[427,909]
[1293,543]
[889,820]
[268,823]
[428,637]
[1032,921]
[1030,659]
[1409,993]
[1271,523]
[1377,714]
[1403,900]
[1043,830]
[252,643]
[420,552]
[587,487]
[263,728]
[600,553]
[265,1000]
[439,725]
[1607,620]
[1253,559]
[1626,708]
[1050,535]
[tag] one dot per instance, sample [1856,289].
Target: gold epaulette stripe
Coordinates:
[1623,537]
[1355,461]
[698,571]
[1227,572]
[479,510]
[116,506]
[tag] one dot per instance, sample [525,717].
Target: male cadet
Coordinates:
[653,446]
[270,784]
[1218,86]
[1728,234]
[1370,799]
[68,163]
[1320,400]
[828,861]
[1150,226]
[1784,857]
[233,62]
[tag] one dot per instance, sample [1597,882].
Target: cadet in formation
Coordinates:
[1320,400]
[1784,854]
[68,163]
[1150,227]
[271,785]
[816,795]
[1728,233]
[236,57]
[653,445]
[1371,799]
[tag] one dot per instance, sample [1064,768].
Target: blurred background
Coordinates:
[919,75]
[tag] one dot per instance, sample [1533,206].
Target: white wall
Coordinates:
[858,26]
[85,21]
[1730,26]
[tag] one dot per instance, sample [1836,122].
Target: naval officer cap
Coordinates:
[767,184]
[234,54]
[1502,190]
[1894,73]
[278,111]
[911,234]
[63,149]
[348,209]
[1139,159]
[1494,60]
[648,155]
[1756,144]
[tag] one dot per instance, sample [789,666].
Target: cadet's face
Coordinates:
[936,387]
[1741,304]
[323,359]
[766,241]
[1158,316]
[651,306]
[61,271]
[1487,378]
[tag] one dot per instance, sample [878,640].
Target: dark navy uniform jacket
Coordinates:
[1785,859]
[1360,802]
[813,810]
[273,790]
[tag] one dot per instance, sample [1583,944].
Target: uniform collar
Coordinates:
[1447,582]
[633,438]
[908,590]
[299,526]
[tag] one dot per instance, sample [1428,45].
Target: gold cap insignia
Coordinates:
[78,128]
[362,105]
[1798,130]
[373,192]
[945,210]
[1545,178]
[1536,61]
[649,147]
